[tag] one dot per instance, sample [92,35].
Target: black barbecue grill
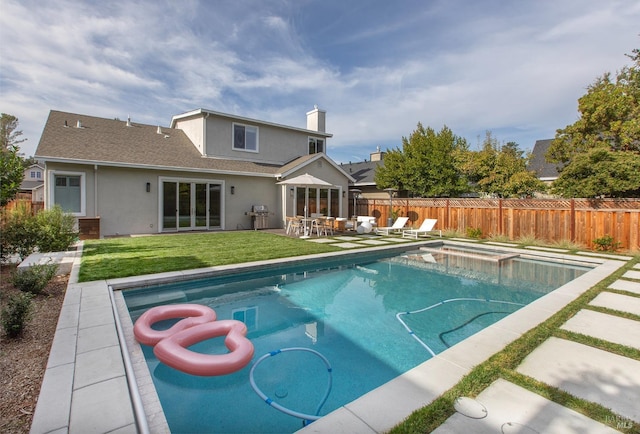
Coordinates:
[259,217]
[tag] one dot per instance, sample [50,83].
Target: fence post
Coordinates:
[446,216]
[572,221]
[500,226]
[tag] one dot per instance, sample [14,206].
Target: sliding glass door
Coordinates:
[189,205]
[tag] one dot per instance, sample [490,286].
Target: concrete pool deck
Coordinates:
[86,387]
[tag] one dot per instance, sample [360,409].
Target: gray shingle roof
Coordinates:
[539,164]
[363,172]
[112,142]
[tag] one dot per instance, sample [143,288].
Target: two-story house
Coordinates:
[206,171]
[33,183]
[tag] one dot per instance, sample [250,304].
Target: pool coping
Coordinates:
[86,373]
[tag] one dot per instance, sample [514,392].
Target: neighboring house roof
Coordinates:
[31,185]
[538,163]
[362,172]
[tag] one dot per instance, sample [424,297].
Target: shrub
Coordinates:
[606,244]
[50,230]
[474,233]
[34,278]
[16,314]
[19,232]
[56,230]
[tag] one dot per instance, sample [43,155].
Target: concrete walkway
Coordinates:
[608,379]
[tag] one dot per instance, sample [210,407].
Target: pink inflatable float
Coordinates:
[199,324]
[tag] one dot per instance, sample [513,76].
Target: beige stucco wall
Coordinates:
[275,145]
[193,127]
[125,207]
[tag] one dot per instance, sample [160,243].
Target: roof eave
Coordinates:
[154,167]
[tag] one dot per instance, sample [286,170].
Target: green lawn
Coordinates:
[123,257]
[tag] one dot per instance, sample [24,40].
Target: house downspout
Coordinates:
[95,190]
[204,134]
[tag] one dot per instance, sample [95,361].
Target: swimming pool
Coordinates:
[347,312]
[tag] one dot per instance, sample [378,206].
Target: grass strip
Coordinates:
[123,257]
[504,363]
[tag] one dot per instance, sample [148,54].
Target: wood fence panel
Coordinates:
[577,220]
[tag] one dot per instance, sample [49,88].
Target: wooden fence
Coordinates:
[578,220]
[34,207]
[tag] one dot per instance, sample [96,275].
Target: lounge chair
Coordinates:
[397,226]
[424,229]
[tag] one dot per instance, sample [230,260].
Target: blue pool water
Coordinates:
[349,313]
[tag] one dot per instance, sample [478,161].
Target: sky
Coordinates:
[378,68]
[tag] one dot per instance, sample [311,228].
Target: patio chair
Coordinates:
[424,229]
[397,226]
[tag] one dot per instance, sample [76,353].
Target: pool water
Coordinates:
[347,312]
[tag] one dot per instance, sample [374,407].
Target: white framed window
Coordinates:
[316,145]
[68,189]
[245,138]
[39,175]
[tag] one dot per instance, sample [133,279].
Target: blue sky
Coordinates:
[515,68]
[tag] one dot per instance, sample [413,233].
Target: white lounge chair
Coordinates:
[424,229]
[397,226]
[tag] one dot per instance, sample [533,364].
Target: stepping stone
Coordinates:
[347,245]
[632,275]
[610,328]
[347,238]
[321,240]
[511,408]
[595,375]
[623,303]
[373,242]
[605,255]
[625,285]
[498,243]
[546,249]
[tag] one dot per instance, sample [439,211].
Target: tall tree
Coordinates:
[501,170]
[426,165]
[607,131]
[11,168]
[9,136]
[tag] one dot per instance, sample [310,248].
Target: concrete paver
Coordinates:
[511,406]
[623,303]
[632,275]
[610,328]
[626,285]
[589,373]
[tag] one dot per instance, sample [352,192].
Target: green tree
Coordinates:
[427,164]
[607,134]
[601,171]
[9,136]
[11,163]
[500,170]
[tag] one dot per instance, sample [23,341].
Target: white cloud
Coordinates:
[378,68]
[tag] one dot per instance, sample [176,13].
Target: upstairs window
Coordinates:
[245,138]
[316,145]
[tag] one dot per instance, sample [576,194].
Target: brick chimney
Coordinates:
[316,120]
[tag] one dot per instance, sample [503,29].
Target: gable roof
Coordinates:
[544,171]
[111,142]
[203,112]
[362,172]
